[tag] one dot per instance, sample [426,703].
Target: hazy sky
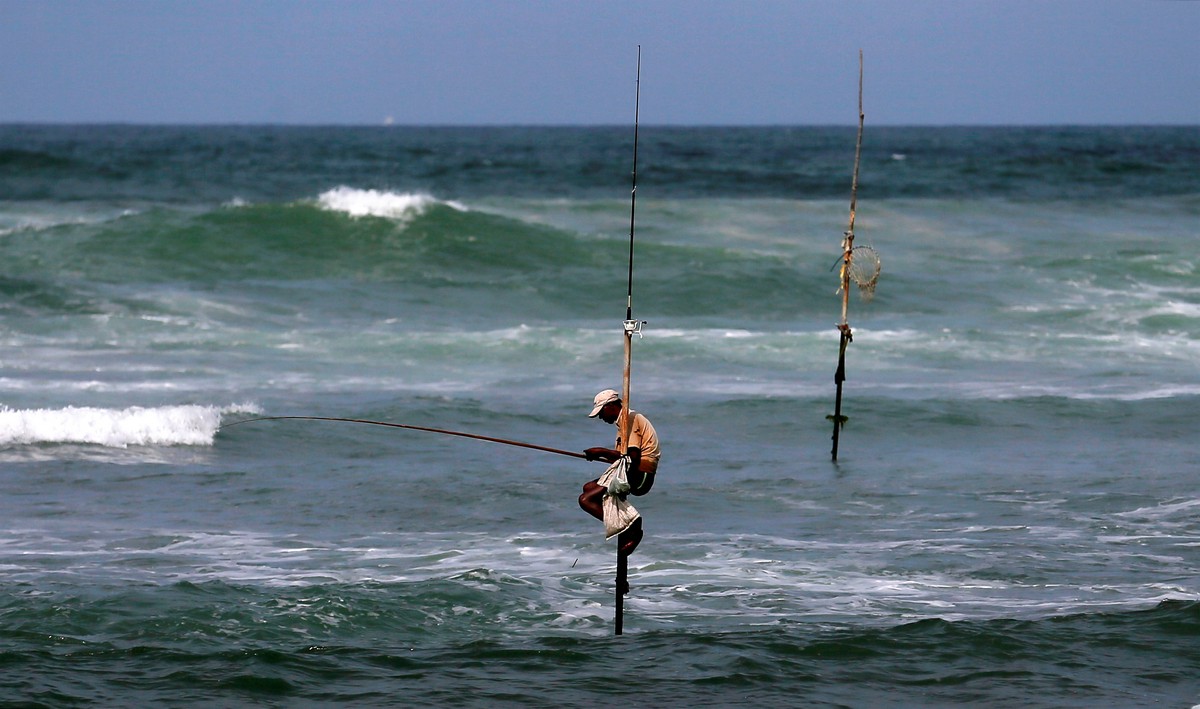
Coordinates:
[574,61]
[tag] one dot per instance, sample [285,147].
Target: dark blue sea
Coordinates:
[1013,519]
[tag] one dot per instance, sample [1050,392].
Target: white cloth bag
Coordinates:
[618,513]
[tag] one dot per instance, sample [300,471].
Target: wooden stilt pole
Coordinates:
[630,327]
[622,581]
[847,254]
[838,378]
[626,428]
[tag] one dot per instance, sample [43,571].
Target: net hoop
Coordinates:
[865,268]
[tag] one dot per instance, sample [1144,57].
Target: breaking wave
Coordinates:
[186,425]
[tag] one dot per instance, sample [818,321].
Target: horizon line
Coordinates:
[389,125]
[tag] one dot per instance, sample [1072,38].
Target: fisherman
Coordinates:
[642,449]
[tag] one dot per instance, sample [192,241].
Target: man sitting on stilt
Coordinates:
[642,449]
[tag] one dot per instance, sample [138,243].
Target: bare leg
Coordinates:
[590,500]
[628,540]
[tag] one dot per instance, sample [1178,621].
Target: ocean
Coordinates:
[1013,518]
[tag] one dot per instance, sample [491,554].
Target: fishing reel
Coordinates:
[634,327]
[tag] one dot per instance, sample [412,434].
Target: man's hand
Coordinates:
[599,453]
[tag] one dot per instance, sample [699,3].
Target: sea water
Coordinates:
[1013,518]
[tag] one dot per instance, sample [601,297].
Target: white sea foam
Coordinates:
[1161,512]
[379,203]
[188,425]
[35,218]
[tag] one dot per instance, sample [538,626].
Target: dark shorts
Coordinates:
[640,483]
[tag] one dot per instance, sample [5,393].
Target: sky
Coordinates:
[574,62]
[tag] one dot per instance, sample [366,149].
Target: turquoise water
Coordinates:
[1012,520]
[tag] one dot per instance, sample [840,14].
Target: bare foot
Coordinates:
[628,540]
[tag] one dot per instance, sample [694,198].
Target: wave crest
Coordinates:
[379,203]
[186,425]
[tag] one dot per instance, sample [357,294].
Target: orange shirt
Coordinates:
[642,437]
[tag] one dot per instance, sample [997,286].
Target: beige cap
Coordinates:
[605,397]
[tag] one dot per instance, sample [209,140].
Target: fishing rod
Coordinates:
[442,431]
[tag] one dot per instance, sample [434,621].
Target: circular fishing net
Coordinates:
[864,270]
